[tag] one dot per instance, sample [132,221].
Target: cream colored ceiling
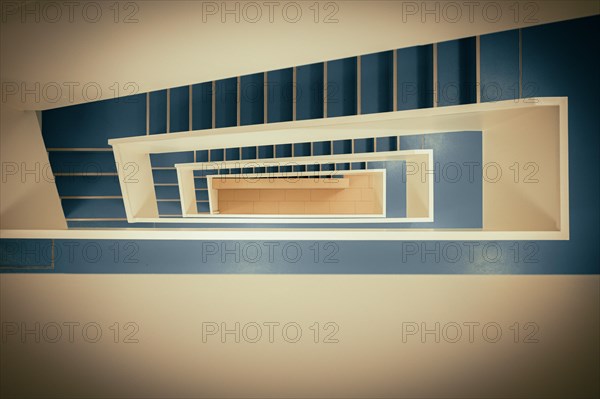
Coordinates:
[171,45]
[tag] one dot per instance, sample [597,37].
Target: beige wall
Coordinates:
[526,148]
[370,359]
[359,198]
[28,197]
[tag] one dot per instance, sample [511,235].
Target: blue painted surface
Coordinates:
[377,82]
[287,257]
[88,185]
[309,91]
[23,256]
[364,145]
[232,154]
[90,125]
[202,156]
[203,173]
[117,224]
[202,106]
[302,149]
[395,181]
[226,102]
[169,208]
[82,162]
[158,112]
[167,192]
[249,153]
[322,148]
[93,208]
[169,159]
[202,195]
[457,187]
[252,99]
[283,150]
[200,182]
[499,64]
[456,63]
[203,207]
[164,176]
[415,77]
[342,147]
[265,151]
[387,143]
[395,178]
[180,109]
[280,95]
[217,155]
[341,87]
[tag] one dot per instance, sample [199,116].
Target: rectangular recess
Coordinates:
[485,117]
[226,102]
[309,91]
[202,97]
[158,112]
[341,87]
[252,99]
[179,104]
[118,117]
[82,162]
[377,82]
[499,62]
[415,77]
[279,98]
[306,194]
[456,72]
[415,187]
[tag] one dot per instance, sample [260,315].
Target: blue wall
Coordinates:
[456,65]
[283,257]
[90,125]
